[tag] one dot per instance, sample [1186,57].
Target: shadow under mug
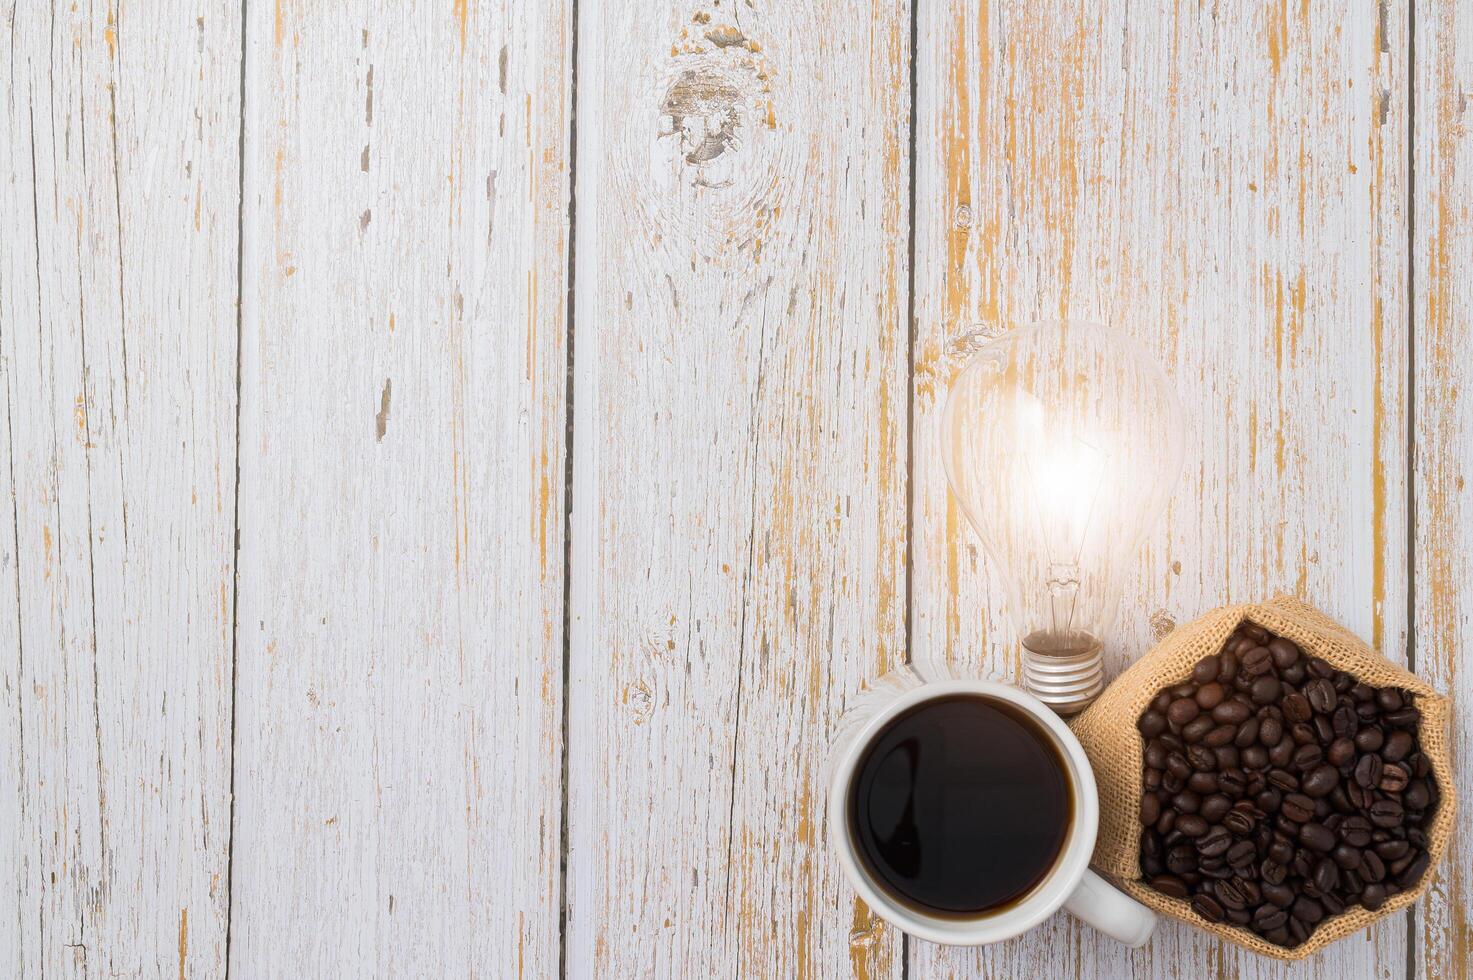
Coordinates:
[1068,884]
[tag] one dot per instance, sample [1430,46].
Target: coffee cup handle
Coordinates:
[1111,911]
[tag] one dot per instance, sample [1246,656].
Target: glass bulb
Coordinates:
[1062,440]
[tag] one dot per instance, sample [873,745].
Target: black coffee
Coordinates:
[960,806]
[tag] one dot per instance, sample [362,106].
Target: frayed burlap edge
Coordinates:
[1114,746]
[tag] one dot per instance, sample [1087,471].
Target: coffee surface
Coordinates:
[960,806]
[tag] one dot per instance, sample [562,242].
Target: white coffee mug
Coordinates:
[1069,883]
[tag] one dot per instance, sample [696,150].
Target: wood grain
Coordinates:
[739,463]
[399,709]
[118,195]
[1227,185]
[1442,312]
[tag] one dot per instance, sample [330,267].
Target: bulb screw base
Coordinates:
[1067,680]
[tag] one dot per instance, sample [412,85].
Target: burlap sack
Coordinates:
[1115,747]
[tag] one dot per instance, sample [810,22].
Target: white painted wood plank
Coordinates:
[398,744]
[1442,317]
[739,474]
[118,200]
[1227,185]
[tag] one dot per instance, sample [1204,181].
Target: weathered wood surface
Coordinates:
[1275,197]
[118,194]
[399,692]
[1442,324]
[739,475]
[1229,187]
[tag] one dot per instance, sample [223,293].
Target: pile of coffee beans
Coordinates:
[1279,791]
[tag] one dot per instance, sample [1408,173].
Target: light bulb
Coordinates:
[1062,440]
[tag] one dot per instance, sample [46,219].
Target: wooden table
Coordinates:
[462,458]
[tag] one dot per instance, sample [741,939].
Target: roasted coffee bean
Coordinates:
[1421,765]
[1298,932]
[1150,809]
[1281,849]
[1284,780]
[1152,779]
[1205,670]
[1247,733]
[1306,757]
[1315,836]
[1191,825]
[1320,668]
[1394,778]
[1388,699]
[1232,782]
[1385,813]
[1284,651]
[1320,693]
[1182,710]
[1297,807]
[1169,885]
[1303,734]
[1182,859]
[1228,756]
[1177,765]
[1227,666]
[1265,689]
[1392,849]
[1416,837]
[1404,718]
[1257,662]
[1268,917]
[1239,822]
[1293,675]
[1320,781]
[1228,895]
[1183,690]
[1254,632]
[1346,856]
[1326,875]
[1270,732]
[1207,907]
[1371,867]
[1151,724]
[1414,871]
[1269,800]
[1255,757]
[1332,902]
[1172,783]
[1202,782]
[1344,722]
[1214,843]
[1186,801]
[1416,796]
[1231,712]
[1155,754]
[1216,869]
[1241,854]
[1296,708]
[1210,696]
[1355,830]
[1194,730]
[1373,896]
[1369,739]
[1368,771]
[1166,823]
[1307,910]
[1201,758]
[1215,807]
[1341,751]
[1323,730]
[1399,865]
[1398,746]
[1219,736]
